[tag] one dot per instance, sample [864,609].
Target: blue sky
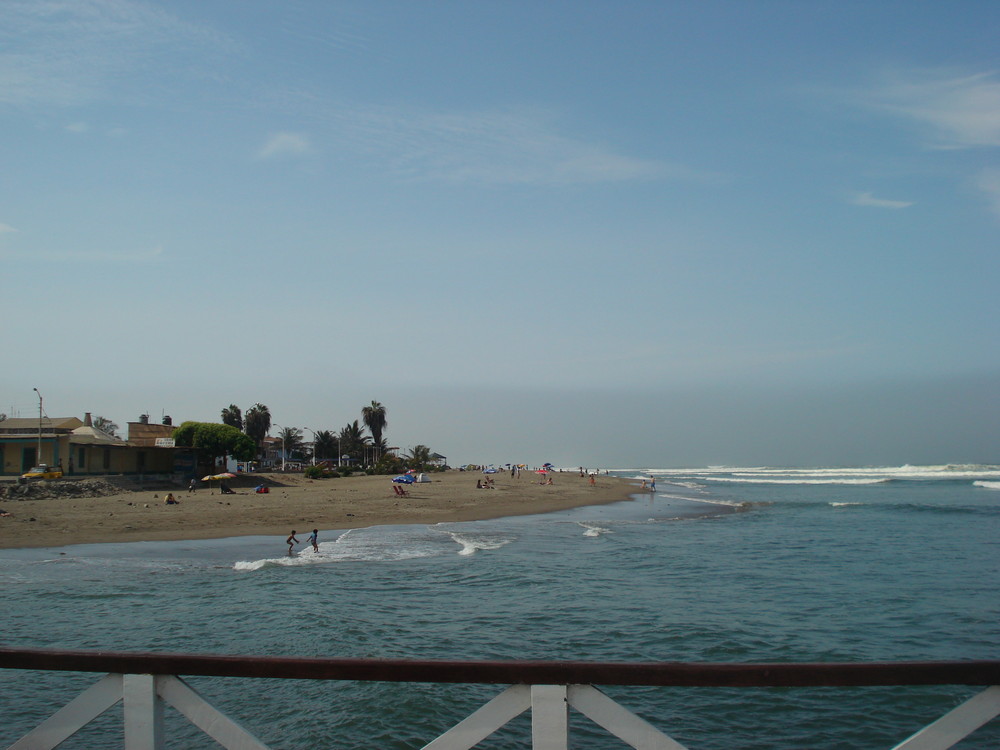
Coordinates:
[616,234]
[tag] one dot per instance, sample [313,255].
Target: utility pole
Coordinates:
[38,458]
[282,436]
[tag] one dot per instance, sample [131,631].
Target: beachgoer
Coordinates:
[314,540]
[643,484]
[225,489]
[479,484]
[291,541]
[169,499]
[193,485]
[652,484]
[550,481]
[592,480]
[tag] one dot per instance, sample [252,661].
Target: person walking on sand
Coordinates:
[193,485]
[291,541]
[314,540]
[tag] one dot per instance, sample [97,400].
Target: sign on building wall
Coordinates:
[164,442]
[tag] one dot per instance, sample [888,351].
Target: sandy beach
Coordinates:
[293,502]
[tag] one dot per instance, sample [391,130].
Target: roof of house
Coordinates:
[27,426]
[146,434]
[90,435]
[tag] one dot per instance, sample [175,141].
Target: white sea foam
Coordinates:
[471,543]
[844,505]
[802,480]
[375,544]
[592,529]
[717,501]
[840,475]
[988,485]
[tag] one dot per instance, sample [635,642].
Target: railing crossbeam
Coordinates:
[957,724]
[618,720]
[75,715]
[485,720]
[205,716]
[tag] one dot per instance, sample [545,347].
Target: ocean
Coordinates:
[720,564]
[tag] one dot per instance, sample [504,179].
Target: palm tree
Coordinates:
[375,421]
[233,417]
[291,440]
[353,440]
[257,423]
[420,456]
[325,445]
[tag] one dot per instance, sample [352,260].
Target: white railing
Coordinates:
[145,683]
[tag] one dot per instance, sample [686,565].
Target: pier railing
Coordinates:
[146,682]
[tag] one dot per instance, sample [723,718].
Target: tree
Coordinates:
[353,440]
[326,445]
[420,456]
[105,425]
[375,421]
[215,440]
[291,441]
[233,417]
[257,423]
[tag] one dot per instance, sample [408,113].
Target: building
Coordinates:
[80,449]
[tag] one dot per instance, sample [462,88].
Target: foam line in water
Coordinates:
[592,529]
[471,542]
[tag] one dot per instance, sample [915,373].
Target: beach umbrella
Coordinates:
[403,479]
[542,471]
[217,478]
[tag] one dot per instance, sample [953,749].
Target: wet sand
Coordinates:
[294,502]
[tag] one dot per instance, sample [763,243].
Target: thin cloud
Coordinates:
[961,111]
[86,256]
[989,183]
[73,52]
[867,199]
[284,144]
[509,147]
[6,229]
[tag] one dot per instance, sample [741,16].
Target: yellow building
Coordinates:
[80,449]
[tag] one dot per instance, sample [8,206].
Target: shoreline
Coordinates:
[295,502]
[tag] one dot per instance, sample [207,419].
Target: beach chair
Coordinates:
[400,492]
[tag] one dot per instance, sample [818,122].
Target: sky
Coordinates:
[611,234]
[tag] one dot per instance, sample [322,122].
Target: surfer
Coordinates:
[314,540]
[291,541]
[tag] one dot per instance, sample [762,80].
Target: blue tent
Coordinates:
[403,479]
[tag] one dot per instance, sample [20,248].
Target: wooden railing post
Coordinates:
[549,717]
[143,713]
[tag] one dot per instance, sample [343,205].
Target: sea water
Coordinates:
[716,565]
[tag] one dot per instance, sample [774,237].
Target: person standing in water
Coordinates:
[291,541]
[314,540]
